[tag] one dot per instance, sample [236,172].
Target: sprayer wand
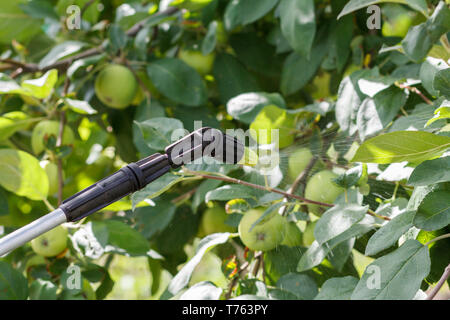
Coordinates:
[131,178]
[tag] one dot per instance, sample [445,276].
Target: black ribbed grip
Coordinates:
[127,180]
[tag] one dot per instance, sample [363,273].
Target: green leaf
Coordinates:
[376,113]
[428,70]
[232,77]
[202,190]
[15,24]
[299,70]
[242,12]
[210,40]
[182,278]
[443,112]
[420,38]
[316,253]
[231,191]
[178,81]
[42,290]
[401,272]
[353,5]
[13,285]
[301,285]
[441,82]
[298,24]
[245,107]
[434,211]
[153,219]
[21,173]
[80,106]
[431,171]
[399,146]
[389,233]
[155,188]
[60,51]
[337,220]
[157,132]
[337,288]
[14,121]
[3,203]
[256,54]
[117,37]
[42,87]
[204,290]
[350,98]
[122,238]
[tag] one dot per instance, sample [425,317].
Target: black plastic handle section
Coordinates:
[127,180]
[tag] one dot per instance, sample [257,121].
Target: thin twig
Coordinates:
[447,235]
[85,7]
[65,63]
[416,91]
[301,179]
[58,160]
[184,196]
[274,190]
[440,283]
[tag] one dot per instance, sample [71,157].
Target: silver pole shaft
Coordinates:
[30,231]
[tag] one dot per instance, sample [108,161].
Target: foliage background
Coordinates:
[357,96]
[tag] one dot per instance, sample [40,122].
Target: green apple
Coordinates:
[87,291]
[320,87]
[52,172]
[308,235]
[44,129]
[191,5]
[298,161]
[271,118]
[51,243]
[213,221]
[195,59]
[398,27]
[321,188]
[264,236]
[116,86]
[293,236]
[140,95]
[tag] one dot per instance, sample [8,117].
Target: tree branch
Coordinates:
[63,64]
[440,283]
[274,190]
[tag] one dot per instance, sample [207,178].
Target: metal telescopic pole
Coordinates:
[31,231]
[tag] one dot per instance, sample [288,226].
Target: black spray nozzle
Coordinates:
[205,142]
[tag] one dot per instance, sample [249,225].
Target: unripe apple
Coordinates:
[44,129]
[271,118]
[116,86]
[52,172]
[195,59]
[293,237]
[51,243]
[298,161]
[321,188]
[398,27]
[88,292]
[264,236]
[308,235]
[213,221]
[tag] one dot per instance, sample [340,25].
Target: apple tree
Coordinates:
[355,204]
